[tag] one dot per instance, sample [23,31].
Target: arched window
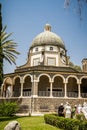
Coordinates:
[36,49]
[51,48]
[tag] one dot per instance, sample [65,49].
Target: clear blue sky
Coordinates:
[26,19]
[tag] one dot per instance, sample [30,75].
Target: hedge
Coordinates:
[65,123]
[8,108]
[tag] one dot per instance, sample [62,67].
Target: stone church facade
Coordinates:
[46,79]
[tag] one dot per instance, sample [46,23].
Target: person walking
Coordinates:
[61,110]
[67,110]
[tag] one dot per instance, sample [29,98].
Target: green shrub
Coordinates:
[80,117]
[8,108]
[65,123]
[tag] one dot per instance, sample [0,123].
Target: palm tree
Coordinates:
[1,59]
[7,51]
[8,47]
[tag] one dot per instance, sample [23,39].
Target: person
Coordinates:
[61,110]
[67,110]
[84,109]
[79,109]
[73,111]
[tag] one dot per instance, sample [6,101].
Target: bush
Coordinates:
[65,123]
[8,108]
[81,117]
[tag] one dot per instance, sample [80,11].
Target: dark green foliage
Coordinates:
[8,108]
[65,123]
[8,118]
[1,79]
[81,117]
[1,59]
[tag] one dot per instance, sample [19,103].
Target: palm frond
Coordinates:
[5,37]
[4,28]
[8,47]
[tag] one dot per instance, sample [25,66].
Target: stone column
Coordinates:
[11,90]
[34,93]
[22,82]
[79,90]
[34,88]
[51,95]
[65,90]
[12,94]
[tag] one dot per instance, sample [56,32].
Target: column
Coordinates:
[34,94]
[65,88]
[34,88]
[21,88]
[12,91]
[79,91]
[51,95]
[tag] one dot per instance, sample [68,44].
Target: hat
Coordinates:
[61,104]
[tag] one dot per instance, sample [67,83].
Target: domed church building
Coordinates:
[46,79]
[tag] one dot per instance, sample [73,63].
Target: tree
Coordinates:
[78,5]
[8,47]
[1,59]
[76,67]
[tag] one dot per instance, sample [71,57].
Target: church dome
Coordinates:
[47,38]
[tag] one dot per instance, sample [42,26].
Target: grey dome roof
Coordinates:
[47,38]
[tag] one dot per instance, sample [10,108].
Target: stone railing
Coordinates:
[47,94]
[27,93]
[58,94]
[44,93]
[72,94]
[84,95]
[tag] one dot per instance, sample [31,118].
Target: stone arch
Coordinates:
[26,76]
[72,86]
[45,75]
[85,77]
[8,80]
[83,86]
[17,86]
[44,85]
[58,85]
[73,76]
[7,87]
[27,85]
[59,76]
[15,78]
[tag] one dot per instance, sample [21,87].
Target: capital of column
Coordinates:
[79,82]
[21,81]
[34,81]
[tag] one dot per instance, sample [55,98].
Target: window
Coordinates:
[51,48]
[36,49]
[51,61]
[36,61]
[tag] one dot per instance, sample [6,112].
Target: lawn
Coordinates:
[29,123]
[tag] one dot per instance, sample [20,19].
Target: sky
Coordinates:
[27,18]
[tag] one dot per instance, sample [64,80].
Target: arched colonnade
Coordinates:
[45,86]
